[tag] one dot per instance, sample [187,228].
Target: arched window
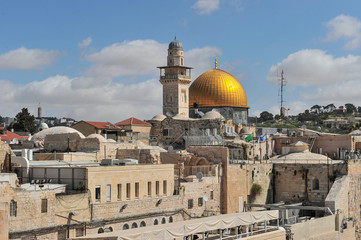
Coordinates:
[142,224]
[134,225]
[170,219]
[125,226]
[163,220]
[315,184]
[100,230]
[13,208]
[156,222]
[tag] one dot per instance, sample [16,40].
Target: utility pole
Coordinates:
[282,85]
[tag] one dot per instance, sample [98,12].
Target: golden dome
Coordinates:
[217,88]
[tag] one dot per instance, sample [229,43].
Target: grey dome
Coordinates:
[175,44]
[213,115]
[159,117]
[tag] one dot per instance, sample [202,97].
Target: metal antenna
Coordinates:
[282,85]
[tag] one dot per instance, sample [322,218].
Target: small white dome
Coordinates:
[44,126]
[55,130]
[98,136]
[111,140]
[159,117]
[213,115]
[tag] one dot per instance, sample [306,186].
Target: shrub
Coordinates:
[256,189]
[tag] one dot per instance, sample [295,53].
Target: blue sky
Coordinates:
[96,60]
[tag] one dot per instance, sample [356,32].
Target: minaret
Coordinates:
[40,115]
[175,78]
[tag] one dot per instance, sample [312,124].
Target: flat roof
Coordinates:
[36,187]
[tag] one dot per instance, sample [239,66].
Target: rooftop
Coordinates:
[9,135]
[132,121]
[103,125]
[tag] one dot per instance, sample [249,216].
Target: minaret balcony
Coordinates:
[175,76]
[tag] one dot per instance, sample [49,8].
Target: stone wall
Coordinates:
[69,157]
[136,211]
[198,190]
[337,198]
[297,182]
[62,142]
[85,128]
[151,156]
[237,182]
[321,228]
[4,220]
[213,154]
[47,223]
[4,156]
[329,144]
[141,174]
[181,128]
[274,235]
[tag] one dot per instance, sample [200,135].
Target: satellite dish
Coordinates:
[15,140]
[8,141]
[205,198]
[199,175]
[169,114]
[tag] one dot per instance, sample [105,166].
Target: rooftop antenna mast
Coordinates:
[282,85]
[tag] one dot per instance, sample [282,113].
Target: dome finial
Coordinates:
[215,63]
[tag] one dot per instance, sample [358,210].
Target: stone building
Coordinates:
[217,90]
[106,129]
[184,132]
[175,78]
[332,145]
[89,200]
[66,143]
[213,108]
[5,155]
[134,129]
[10,137]
[304,177]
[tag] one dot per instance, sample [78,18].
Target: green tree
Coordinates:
[265,116]
[24,122]
[350,108]
[330,107]
[316,108]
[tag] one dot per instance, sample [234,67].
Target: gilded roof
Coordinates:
[217,88]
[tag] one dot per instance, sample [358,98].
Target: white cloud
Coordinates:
[206,6]
[111,102]
[338,93]
[138,57]
[344,26]
[27,59]
[99,94]
[85,43]
[201,59]
[312,67]
[132,59]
